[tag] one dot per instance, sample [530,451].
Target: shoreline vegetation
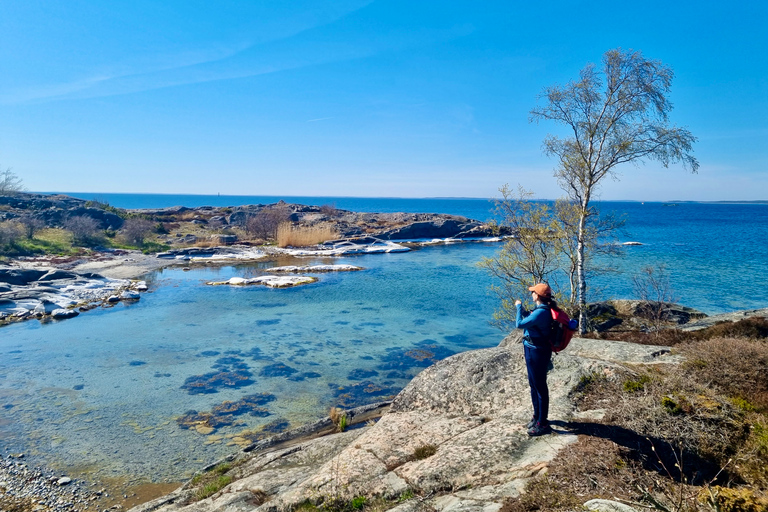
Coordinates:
[669,419]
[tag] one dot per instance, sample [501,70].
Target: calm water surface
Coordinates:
[115,391]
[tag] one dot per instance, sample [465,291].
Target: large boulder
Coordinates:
[442,228]
[638,314]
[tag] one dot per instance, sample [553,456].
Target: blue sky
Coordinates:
[359,98]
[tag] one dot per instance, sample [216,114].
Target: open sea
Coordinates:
[118,392]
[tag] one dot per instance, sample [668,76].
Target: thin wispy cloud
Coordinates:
[220,60]
[318,119]
[290,53]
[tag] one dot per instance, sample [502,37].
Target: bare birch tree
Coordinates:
[615,116]
[10,184]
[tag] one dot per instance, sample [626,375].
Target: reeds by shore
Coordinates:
[302,236]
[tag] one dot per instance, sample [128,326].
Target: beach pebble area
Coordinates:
[24,487]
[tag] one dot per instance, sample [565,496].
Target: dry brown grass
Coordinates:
[736,367]
[303,236]
[754,328]
[689,438]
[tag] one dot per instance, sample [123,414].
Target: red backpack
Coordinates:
[562,330]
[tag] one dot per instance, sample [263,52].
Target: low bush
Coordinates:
[31,225]
[10,233]
[135,231]
[424,451]
[303,236]
[329,210]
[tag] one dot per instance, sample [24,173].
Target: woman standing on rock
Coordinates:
[536,326]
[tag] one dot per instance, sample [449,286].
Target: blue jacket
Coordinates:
[535,325]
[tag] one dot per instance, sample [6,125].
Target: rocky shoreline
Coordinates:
[26,487]
[469,405]
[55,288]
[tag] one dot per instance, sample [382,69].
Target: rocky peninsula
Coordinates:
[92,253]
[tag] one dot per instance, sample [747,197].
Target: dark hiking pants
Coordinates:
[537,362]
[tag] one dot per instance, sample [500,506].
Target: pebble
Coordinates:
[25,487]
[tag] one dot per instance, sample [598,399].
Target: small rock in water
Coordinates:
[129,295]
[59,314]
[113,298]
[63,481]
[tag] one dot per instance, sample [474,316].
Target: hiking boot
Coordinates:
[539,430]
[530,424]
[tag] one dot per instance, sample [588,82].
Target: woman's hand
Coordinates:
[518,302]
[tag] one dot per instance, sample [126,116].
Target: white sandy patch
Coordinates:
[271,281]
[347,247]
[234,255]
[437,241]
[316,268]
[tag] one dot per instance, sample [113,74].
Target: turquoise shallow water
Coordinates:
[105,390]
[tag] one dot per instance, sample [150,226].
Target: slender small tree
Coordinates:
[530,256]
[652,285]
[543,249]
[616,116]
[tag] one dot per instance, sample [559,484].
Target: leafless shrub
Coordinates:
[31,225]
[652,286]
[264,223]
[10,233]
[85,230]
[737,367]
[134,231]
[329,210]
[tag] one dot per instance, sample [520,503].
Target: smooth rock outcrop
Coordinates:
[45,292]
[464,415]
[725,317]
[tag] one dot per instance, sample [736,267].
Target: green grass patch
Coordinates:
[213,481]
[635,386]
[211,488]
[52,241]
